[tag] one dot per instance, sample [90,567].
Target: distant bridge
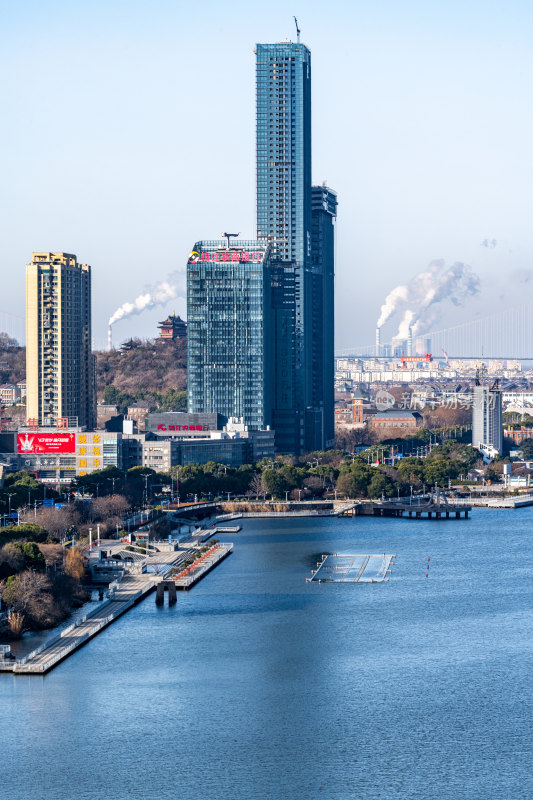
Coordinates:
[504,335]
[14,325]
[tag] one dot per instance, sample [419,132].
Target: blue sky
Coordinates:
[128,133]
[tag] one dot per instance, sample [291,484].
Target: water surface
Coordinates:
[260,685]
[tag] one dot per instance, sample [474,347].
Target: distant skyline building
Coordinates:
[60,371]
[229,334]
[487,425]
[298,221]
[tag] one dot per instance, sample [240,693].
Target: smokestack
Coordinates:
[378,341]
[410,342]
[109,338]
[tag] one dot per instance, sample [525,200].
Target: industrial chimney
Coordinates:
[378,341]
[410,342]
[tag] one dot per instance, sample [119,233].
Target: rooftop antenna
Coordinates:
[227,237]
[297,30]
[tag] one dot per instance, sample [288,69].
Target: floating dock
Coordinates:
[345,568]
[228,529]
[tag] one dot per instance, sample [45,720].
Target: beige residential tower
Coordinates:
[60,371]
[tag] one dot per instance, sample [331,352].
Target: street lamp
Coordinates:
[10,495]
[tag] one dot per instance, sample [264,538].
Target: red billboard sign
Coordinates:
[225,255]
[162,427]
[46,442]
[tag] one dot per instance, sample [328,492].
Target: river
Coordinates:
[257,684]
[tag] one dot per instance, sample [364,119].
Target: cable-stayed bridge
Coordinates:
[14,325]
[505,335]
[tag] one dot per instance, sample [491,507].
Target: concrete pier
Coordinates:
[162,587]
[130,591]
[399,509]
[188,577]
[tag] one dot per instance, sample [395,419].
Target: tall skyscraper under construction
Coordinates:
[298,221]
[59,362]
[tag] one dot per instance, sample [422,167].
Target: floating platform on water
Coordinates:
[227,529]
[344,568]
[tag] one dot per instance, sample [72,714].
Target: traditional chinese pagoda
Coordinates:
[130,344]
[172,328]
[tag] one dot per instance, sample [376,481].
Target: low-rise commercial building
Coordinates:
[104,412]
[179,424]
[9,394]
[139,412]
[162,454]
[518,435]
[395,419]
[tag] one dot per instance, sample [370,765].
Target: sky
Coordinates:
[128,133]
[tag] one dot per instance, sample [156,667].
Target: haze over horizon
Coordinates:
[130,133]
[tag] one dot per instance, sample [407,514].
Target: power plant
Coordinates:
[412,347]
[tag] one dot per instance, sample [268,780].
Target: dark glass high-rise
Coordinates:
[301,239]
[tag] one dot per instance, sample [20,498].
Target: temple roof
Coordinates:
[172,319]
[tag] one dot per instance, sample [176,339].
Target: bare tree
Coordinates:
[257,485]
[57,521]
[30,595]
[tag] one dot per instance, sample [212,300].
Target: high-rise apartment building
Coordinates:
[59,363]
[229,359]
[302,319]
[487,427]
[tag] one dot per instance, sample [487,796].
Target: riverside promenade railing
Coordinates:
[40,661]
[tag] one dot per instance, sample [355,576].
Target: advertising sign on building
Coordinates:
[46,442]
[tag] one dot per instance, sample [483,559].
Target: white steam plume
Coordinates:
[154,296]
[417,299]
[393,301]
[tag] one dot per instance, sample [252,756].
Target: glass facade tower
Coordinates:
[320,419]
[300,413]
[229,330]
[284,150]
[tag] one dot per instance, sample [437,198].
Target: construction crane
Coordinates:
[297,30]
[446,354]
